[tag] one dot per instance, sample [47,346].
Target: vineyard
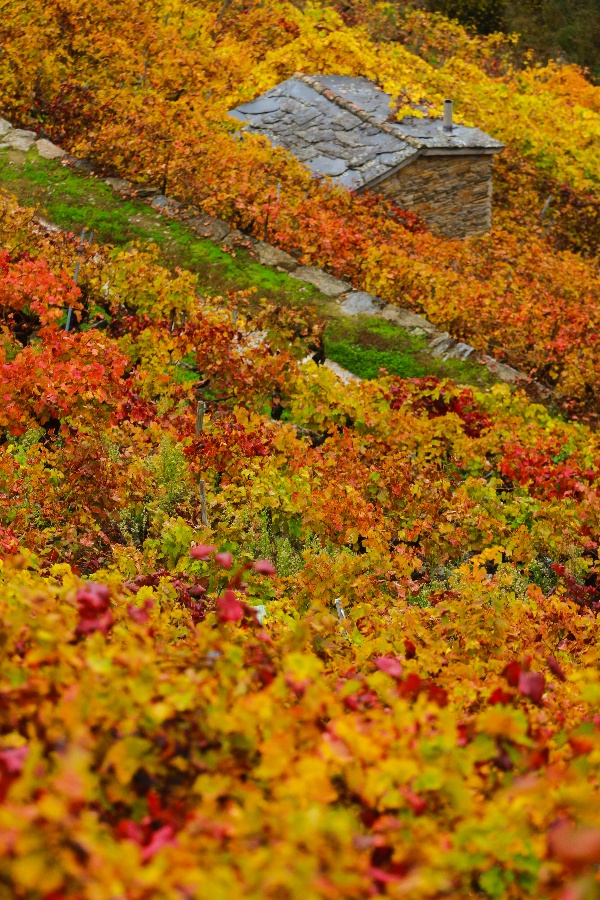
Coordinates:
[268,633]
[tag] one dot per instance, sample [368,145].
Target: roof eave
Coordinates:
[462,151]
[429,151]
[379,178]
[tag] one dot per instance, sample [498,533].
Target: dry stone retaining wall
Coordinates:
[21,140]
[352,301]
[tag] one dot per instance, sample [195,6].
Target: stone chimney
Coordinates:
[448,115]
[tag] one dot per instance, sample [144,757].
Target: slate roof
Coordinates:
[337,126]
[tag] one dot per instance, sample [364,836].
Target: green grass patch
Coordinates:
[364,345]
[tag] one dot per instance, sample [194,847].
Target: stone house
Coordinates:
[342,127]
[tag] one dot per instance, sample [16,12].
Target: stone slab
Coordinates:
[84,164]
[460,351]
[144,192]
[503,372]
[18,139]
[209,227]
[48,150]
[165,204]
[255,339]
[48,227]
[327,284]
[239,240]
[273,256]
[324,165]
[350,179]
[407,319]
[5,127]
[22,132]
[441,344]
[119,185]
[260,107]
[300,91]
[303,118]
[357,302]
[343,374]
[273,118]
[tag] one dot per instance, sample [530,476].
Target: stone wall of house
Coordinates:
[453,195]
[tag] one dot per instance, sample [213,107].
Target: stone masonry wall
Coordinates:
[453,195]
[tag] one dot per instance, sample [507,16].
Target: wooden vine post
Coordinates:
[203,506]
[200,410]
[76,276]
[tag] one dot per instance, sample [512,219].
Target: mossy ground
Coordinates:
[75,200]
[365,345]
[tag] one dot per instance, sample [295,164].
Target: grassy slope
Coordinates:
[75,201]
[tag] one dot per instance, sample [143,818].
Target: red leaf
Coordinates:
[499,696]
[229,608]
[383,877]
[555,668]
[438,695]
[298,687]
[511,673]
[93,597]
[202,551]
[224,559]
[416,803]
[13,759]
[101,623]
[389,665]
[573,846]
[264,567]
[127,829]
[410,651]
[526,661]
[580,744]
[93,602]
[164,837]
[411,685]
[532,685]
[139,614]
[8,541]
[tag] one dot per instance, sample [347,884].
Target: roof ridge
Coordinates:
[356,110]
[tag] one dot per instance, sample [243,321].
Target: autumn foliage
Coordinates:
[375,671]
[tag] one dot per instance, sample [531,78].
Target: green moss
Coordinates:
[367,363]
[364,346]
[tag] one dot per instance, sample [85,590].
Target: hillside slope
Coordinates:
[265,634]
[427,667]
